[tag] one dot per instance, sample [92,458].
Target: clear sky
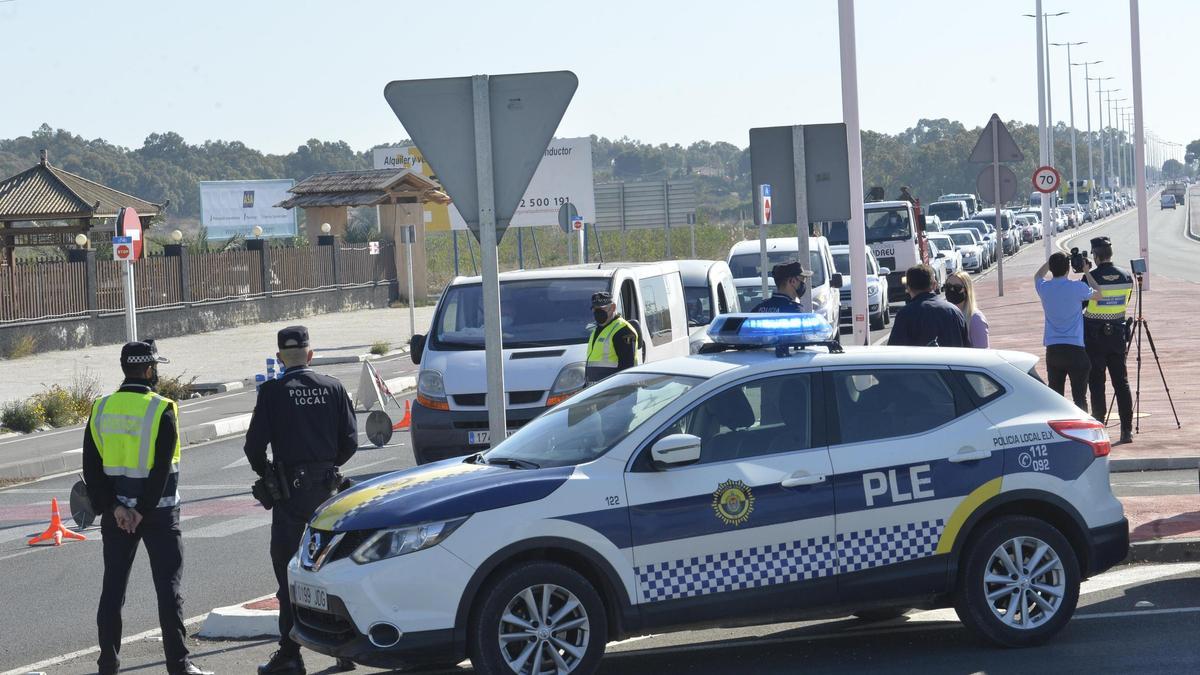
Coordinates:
[274,73]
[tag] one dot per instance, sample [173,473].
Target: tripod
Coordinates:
[1140,325]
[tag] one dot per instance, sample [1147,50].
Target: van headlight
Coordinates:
[390,543]
[571,379]
[431,390]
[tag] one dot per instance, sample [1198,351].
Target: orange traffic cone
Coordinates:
[406,422]
[57,531]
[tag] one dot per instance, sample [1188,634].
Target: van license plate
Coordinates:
[310,596]
[483,437]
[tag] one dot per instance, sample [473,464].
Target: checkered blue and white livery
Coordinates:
[772,564]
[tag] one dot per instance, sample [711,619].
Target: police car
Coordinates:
[774,478]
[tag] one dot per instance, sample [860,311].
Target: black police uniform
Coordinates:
[782,302]
[1105,341]
[157,500]
[778,302]
[308,420]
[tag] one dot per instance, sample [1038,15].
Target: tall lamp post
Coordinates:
[1071,105]
[1045,37]
[1088,101]
[1114,137]
[1104,172]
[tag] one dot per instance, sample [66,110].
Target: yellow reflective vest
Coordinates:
[602,359]
[125,426]
[1115,288]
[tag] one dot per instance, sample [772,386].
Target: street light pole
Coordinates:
[1071,105]
[1088,101]
[1043,146]
[1135,44]
[1043,33]
[1114,144]
[857,228]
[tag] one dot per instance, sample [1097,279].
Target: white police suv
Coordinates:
[757,483]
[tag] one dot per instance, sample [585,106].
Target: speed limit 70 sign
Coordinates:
[1046,179]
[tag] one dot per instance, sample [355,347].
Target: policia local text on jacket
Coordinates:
[1105,337]
[131,464]
[308,420]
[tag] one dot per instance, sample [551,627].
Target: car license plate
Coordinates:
[483,437]
[310,596]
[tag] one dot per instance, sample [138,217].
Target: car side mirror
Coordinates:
[675,450]
[941,255]
[884,271]
[416,346]
[835,280]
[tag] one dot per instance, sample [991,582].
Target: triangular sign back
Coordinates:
[1005,145]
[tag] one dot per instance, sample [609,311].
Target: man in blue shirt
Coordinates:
[1062,304]
[789,286]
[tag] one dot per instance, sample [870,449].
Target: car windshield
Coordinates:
[962,238]
[942,243]
[750,296]
[591,423]
[699,305]
[882,225]
[946,210]
[976,225]
[745,265]
[533,313]
[841,263]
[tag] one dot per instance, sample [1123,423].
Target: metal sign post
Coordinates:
[763,213]
[408,234]
[577,227]
[996,146]
[123,252]
[452,120]
[998,201]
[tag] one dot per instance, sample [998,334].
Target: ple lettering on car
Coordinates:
[889,485]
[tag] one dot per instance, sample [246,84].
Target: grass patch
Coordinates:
[23,416]
[24,346]
[174,387]
[379,347]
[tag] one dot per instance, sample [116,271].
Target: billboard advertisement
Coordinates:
[564,174]
[233,207]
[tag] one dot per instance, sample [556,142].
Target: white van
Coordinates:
[744,259]
[895,235]
[709,291]
[546,318]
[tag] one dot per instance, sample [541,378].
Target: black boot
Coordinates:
[283,663]
[1126,436]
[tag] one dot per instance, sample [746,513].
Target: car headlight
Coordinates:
[386,544]
[431,390]
[570,380]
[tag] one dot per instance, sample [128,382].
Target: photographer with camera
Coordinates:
[1066,357]
[1106,335]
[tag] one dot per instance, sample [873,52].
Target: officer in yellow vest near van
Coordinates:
[1105,336]
[613,346]
[131,467]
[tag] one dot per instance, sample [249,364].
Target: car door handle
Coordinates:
[969,454]
[802,478]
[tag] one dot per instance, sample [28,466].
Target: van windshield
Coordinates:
[699,305]
[946,210]
[533,313]
[882,225]
[745,265]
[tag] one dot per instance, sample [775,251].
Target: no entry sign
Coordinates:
[130,226]
[1046,179]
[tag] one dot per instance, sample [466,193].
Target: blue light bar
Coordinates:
[770,329]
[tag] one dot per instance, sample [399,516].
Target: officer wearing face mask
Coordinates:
[613,346]
[789,287]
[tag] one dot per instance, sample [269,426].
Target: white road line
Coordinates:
[240,461]
[229,527]
[57,660]
[76,451]
[46,434]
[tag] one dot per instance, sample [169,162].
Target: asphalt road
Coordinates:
[50,594]
[1172,253]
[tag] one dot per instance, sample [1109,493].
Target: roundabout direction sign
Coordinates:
[1046,179]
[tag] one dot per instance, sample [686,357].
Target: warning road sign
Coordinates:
[1046,179]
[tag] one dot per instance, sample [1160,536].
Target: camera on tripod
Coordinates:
[1079,260]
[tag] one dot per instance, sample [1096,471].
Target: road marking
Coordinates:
[76,451]
[46,434]
[58,660]
[241,461]
[229,527]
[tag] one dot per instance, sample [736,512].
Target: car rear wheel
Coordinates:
[539,617]
[1019,582]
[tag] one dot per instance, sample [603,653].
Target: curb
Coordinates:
[1152,464]
[1165,550]
[218,387]
[241,622]
[209,431]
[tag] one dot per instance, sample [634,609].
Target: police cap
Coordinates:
[789,270]
[139,353]
[602,299]
[293,337]
[1101,241]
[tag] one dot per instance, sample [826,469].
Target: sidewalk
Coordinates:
[1015,322]
[231,355]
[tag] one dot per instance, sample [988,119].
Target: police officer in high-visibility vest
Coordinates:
[131,467]
[308,420]
[1105,336]
[613,346]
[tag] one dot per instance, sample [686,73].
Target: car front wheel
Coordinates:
[1019,582]
[538,617]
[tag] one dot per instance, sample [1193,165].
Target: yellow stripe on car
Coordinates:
[964,510]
